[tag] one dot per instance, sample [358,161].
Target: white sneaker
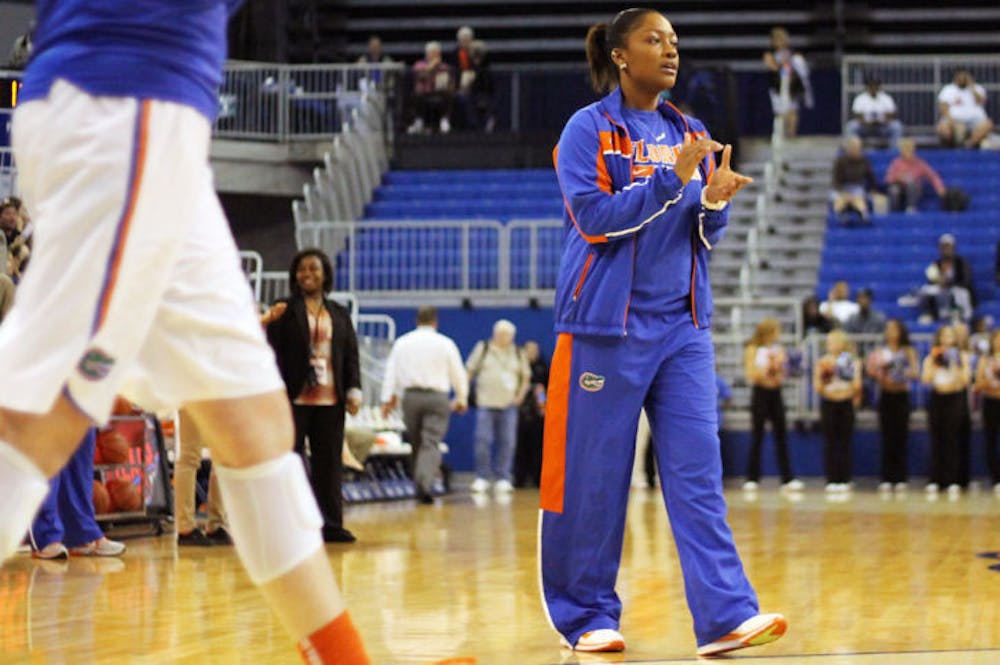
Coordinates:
[101,547]
[901,488]
[603,640]
[479,485]
[954,491]
[51,552]
[996,489]
[417,127]
[444,126]
[503,487]
[794,485]
[884,488]
[750,486]
[932,488]
[832,488]
[755,631]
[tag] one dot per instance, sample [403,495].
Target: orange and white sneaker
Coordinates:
[603,640]
[753,632]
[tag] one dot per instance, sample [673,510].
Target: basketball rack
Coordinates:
[146,466]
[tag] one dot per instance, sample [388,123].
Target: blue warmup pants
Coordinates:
[67,515]
[596,388]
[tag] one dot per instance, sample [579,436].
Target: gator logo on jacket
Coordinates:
[591,382]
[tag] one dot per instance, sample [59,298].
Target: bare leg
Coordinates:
[792,124]
[979,133]
[945,133]
[48,440]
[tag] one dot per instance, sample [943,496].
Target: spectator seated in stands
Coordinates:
[374,56]
[11,226]
[948,294]
[475,91]
[812,319]
[963,115]
[853,184]
[906,176]
[462,59]
[433,91]
[867,319]
[839,307]
[874,115]
[20,50]
[785,64]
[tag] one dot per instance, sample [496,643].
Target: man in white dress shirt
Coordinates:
[963,114]
[425,367]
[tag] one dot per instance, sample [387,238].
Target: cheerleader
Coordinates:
[988,385]
[765,363]
[837,380]
[893,366]
[946,371]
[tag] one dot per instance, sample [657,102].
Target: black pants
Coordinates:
[766,404]
[324,427]
[528,454]
[432,107]
[991,429]
[837,420]
[894,423]
[945,413]
[965,442]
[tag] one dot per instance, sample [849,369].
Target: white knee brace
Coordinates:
[24,488]
[273,516]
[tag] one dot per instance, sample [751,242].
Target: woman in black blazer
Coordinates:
[317,352]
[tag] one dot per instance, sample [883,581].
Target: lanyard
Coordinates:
[314,330]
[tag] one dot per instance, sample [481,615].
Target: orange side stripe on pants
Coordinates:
[125,223]
[556,417]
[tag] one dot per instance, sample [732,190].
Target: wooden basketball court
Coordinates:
[866,580]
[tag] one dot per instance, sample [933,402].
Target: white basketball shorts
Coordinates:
[134,285]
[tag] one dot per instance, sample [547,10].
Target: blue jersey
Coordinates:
[171,50]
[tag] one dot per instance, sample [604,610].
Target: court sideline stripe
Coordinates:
[688,659]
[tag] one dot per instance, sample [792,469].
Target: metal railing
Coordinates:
[433,257]
[914,82]
[278,102]
[8,173]
[376,334]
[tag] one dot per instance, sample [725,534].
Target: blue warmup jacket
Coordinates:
[612,197]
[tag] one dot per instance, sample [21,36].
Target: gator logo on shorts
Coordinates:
[95,364]
[591,382]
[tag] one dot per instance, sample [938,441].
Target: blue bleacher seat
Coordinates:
[890,256]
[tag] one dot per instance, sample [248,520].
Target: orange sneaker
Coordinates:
[603,640]
[753,632]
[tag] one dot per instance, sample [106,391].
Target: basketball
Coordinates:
[102,500]
[112,447]
[125,496]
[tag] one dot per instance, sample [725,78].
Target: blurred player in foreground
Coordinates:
[136,287]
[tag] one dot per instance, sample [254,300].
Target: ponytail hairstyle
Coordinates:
[602,38]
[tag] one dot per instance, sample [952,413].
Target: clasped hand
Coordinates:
[724,182]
